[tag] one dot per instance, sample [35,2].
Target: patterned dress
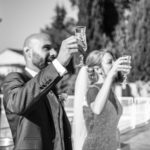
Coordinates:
[101,128]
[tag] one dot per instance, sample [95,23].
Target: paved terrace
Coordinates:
[137,139]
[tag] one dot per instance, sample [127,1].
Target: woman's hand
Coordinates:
[122,64]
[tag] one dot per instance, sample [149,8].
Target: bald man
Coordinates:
[35,114]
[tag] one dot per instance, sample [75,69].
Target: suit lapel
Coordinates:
[27,77]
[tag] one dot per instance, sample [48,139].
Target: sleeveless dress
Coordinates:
[102,128]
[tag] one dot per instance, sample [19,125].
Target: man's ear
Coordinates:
[27,52]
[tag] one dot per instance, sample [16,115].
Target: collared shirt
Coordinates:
[60,69]
[32,72]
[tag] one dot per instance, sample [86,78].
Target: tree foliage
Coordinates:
[56,30]
[139,40]
[108,25]
[100,17]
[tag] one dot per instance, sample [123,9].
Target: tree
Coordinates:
[108,25]
[57,30]
[101,18]
[139,40]
[132,37]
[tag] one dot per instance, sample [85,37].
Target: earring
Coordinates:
[102,74]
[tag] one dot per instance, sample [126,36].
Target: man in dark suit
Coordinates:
[35,114]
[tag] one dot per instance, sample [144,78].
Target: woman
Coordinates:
[96,116]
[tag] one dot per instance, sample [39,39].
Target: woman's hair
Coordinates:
[95,59]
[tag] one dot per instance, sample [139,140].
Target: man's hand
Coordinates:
[68,47]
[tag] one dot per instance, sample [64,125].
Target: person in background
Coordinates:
[96,108]
[35,114]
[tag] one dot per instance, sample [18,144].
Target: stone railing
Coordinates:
[5,133]
[136,112]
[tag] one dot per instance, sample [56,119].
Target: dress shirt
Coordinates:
[60,69]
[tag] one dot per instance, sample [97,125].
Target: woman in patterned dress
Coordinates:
[97,114]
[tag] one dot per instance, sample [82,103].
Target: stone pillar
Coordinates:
[6,141]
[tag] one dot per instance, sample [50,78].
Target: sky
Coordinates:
[21,18]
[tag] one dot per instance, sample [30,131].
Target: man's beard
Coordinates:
[39,62]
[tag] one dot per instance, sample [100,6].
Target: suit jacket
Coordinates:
[30,112]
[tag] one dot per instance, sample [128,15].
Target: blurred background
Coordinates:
[122,25]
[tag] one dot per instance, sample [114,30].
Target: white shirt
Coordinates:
[60,68]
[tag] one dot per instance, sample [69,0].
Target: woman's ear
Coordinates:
[102,73]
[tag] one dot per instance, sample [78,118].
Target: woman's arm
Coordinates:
[103,94]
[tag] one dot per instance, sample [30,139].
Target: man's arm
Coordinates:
[20,96]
